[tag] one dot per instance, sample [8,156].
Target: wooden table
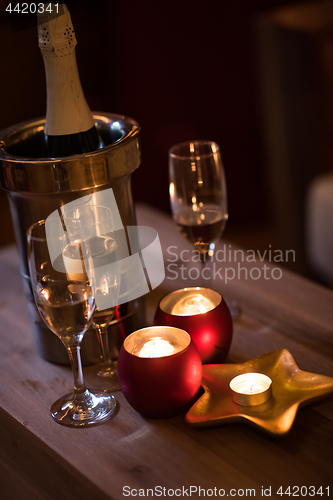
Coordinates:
[40,459]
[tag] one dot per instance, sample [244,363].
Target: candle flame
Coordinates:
[156,348]
[251,383]
[192,304]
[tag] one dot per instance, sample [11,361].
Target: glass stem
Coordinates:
[206,277]
[104,343]
[74,353]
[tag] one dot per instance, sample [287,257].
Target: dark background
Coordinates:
[184,70]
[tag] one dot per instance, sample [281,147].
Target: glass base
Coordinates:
[90,408]
[107,370]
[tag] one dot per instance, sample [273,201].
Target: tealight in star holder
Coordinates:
[291,388]
[251,389]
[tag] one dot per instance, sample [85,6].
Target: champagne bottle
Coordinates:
[69,126]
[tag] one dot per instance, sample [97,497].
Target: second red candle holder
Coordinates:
[205,315]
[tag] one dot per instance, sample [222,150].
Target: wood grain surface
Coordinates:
[42,460]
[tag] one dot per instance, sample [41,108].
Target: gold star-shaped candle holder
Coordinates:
[291,388]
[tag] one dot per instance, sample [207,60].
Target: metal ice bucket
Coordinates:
[37,186]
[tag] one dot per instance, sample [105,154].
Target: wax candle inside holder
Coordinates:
[204,314]
[194,303]
[251,389]
[159,371]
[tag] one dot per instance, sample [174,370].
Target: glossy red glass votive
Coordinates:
[204,314]
[159,371]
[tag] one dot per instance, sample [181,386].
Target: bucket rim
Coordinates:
[38,124]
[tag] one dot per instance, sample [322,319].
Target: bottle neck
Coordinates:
[67,111]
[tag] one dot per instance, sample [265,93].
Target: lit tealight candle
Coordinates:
[192,304]
[251,389]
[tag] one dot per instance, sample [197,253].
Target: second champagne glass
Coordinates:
[93,242]
[198,193]
[198,197]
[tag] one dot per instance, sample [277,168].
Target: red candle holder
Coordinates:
[159,371]
[204,314]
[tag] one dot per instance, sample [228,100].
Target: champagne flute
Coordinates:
[93,242]
[66,305]
[198,197]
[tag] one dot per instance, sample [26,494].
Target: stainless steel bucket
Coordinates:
[37,186]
